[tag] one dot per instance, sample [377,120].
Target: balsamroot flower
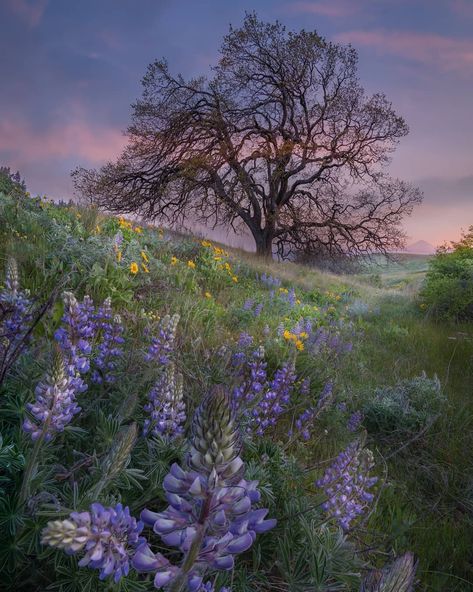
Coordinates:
[166,406]
[74,336]
[162,344]
[210,516]
[346,484]
[55,403]
[107,536]
[110,330]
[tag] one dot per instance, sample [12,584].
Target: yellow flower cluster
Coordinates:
[127,225]
[150,315]
[333,295]
[219,255]
[295,338]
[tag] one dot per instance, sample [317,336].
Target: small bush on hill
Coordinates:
[407,406]
[448,290]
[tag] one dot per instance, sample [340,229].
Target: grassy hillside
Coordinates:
[366,358]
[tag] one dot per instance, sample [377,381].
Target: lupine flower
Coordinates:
[106,536]
[354,421]
[253,379]
[274,401]
[162,344]
[110,350]
[15,310]
[305,421]
[55,403]
[117,241]
[270,281]
[74,336]
[258,309]
[209,587]
[346,483]
[117,457]
[210,516]
[166,406]
[248,304]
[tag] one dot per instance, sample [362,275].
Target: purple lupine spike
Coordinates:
[354,421]
[162,343]
[305,422]
[108,536]
[15,311]
[166,406]
[270,281]
[55,403]
[253,378]
[210,517]
[248,304]
[274,400]
[74,336]
[110,330]
[346,484]
[258,309]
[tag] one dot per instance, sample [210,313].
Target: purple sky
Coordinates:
[70,70]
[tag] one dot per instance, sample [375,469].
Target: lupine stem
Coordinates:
[25,486]
[180,582]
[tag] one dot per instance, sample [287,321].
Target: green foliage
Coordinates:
[406,407]
[448,290]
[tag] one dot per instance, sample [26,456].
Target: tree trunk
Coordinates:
[264,245]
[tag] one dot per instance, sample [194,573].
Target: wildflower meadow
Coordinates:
[180,416]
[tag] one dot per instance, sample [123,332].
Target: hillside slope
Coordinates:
[318,364]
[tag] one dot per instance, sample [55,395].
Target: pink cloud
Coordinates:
[78,139]
[329,8]
[434,50]
[31,11]
[463,8]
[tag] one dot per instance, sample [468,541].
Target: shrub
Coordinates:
[405,407]
[448,289]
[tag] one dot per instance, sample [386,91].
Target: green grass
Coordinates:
[426,503]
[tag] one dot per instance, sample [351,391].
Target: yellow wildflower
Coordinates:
[191,264]
[298,301]
[174,260]
[423,306]
[287,335]
[119,256]
[144,256]
[227,266]
[234,278]
[134,267]
[303,335]
[208,294]
[299,345]
[145,269]
[206,243]
[217,258]
[138,229]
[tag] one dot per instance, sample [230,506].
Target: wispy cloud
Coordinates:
[19,142]
[30,11]
[446,53]
[328,8]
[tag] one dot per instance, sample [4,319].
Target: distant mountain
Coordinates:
[420,247]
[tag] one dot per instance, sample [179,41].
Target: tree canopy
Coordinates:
[281,139]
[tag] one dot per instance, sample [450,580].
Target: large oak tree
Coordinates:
[281,139]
